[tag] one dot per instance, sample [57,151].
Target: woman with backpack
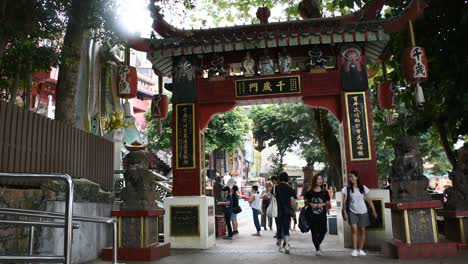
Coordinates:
[318,202]
[355,196]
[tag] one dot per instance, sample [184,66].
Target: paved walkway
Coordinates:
[245,249]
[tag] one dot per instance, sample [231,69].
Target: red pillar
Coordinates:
[187,178]
[359,143]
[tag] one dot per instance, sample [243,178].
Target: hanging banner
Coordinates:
[353,66]
[358,131]
[185,136]
[268,86]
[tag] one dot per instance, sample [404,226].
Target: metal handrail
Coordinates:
[67,249]
[56,215]
[36,223]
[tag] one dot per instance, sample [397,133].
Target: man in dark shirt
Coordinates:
[227,208]
[285,199]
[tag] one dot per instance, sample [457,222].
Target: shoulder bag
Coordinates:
[272,210]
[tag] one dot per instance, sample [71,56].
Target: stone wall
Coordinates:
[15,240]
[89,200]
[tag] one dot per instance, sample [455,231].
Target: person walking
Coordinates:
[318,203]
[285,199]
[227,207]
[274,181]
[355,196]
[235,204]
[294,210]
[256,207]
[266,198]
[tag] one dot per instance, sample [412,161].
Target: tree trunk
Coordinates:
[27,89]
[327,137]
[70,57]
[14,88]
[3,35]
[445,143]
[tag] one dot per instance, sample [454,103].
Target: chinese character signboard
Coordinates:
[184,221]
[358,130]
[185,136]
[268,86]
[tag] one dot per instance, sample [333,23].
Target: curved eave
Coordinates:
[411,13]
[166,30]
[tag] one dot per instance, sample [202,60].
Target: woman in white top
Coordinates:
[355,196]
[256,208]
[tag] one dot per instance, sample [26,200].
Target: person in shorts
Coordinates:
[355,196]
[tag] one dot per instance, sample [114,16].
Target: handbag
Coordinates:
[304,224]
[272,210]
[237,209]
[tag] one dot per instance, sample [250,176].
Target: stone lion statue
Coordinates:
[138,193]
[408,182]
[457,195]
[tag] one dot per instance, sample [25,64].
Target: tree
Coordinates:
[157,141]
[281,125]
[85,18]
[438,123]
[226,131]
[22,41]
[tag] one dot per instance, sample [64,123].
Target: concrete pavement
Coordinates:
[261,250]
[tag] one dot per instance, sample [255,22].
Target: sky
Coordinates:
[135,17]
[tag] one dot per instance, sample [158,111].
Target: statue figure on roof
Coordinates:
[217,66]
[265,64]
[184,70]
[248,64]
[284,61]
[316,58]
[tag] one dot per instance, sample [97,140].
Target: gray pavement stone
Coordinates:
[245,249]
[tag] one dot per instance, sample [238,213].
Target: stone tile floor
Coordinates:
[261,250]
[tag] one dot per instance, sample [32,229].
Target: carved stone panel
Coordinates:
[420,226]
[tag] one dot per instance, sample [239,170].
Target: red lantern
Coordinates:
[386,95]
[263,13]
[159,106]
[415,66]
[126,82]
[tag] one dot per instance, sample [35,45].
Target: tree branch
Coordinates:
[439,125]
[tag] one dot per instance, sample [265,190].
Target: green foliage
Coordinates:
[226,131]
[440,122]
[155,141]
[285,126]
[22,49]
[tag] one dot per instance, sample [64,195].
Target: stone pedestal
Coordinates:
[220,226]
[189,222]
[138,236]
[456,226]
[378,232]
[415,232]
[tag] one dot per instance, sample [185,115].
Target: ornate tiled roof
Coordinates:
[360,27]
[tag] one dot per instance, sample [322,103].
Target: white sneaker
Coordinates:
[286,249]
[318,253]
[362,253]
[278,246]
[355,253]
